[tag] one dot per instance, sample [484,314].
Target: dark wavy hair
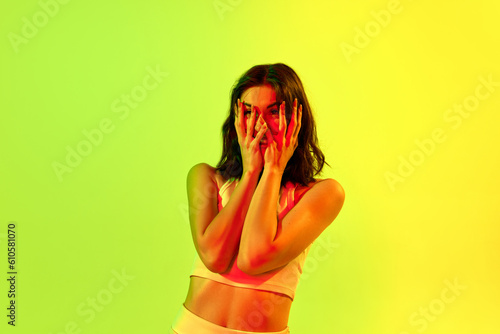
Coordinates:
[307,160]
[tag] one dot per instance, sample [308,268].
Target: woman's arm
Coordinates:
[261,249]
[261,225]
[216,235]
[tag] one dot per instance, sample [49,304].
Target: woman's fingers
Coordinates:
[262,131]
[251,123]
[269,137]
[244,120]
[237,121]
[282,120]
[299,123]
[259,122]
[293,122]
[240,128]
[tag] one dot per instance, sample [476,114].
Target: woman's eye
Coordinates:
[275,112]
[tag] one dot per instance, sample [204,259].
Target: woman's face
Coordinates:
[263,98]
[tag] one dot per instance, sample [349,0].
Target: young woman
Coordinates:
[254,216]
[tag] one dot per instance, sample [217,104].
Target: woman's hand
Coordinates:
[249,145]
[280,151]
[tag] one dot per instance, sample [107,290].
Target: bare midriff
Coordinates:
[238,308]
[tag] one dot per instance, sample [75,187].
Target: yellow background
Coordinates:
[123,207]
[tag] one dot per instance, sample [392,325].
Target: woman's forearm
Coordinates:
[261,223]
[222,236]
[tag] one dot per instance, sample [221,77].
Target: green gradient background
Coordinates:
[124,205]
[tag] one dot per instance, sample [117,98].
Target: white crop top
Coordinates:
[282,280]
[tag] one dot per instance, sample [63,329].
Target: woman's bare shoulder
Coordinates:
[205,170]
[332,183]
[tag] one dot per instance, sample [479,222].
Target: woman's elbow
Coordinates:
[251,266]
[244,265]
[214,263]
